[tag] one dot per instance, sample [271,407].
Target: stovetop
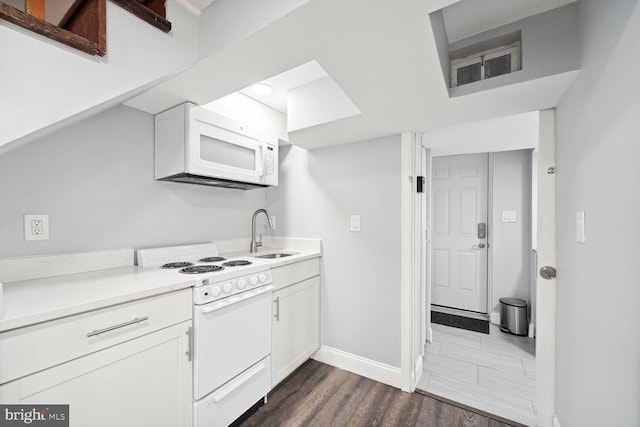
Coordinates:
[215,277]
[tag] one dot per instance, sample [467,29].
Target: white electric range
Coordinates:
[231,328]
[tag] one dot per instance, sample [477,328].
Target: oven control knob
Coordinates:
[242,284]
[253,280]
[227,287]
[215,291]
[262,277]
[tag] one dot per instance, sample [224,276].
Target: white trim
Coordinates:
[490,232]
[555,421]
[408,318]
[494,317]
[419,369]
[546,289]
[426,256]
[368,368]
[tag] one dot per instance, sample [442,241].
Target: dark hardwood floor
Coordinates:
[321,395]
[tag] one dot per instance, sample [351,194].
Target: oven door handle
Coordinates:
[236,383]
[218,305]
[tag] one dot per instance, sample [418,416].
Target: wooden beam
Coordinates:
[144,13]
[24,20]
[35,8]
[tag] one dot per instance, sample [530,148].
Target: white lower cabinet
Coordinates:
[143,381]
[296,327]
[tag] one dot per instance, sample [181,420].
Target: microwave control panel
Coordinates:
[270,160]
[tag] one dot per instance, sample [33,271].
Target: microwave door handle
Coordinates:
[260,159]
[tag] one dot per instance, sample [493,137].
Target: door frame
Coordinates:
[545,295]
[546,289]
[424,154]
[411,351]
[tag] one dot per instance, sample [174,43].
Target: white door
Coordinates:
[296,327]
[235,333]
[459,246]
[546,283]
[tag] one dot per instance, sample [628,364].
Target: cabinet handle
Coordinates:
[189,352]
[277,315]
[121,325]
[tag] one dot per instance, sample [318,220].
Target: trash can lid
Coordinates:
[514,302]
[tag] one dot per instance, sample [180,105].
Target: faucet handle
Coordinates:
[259,242]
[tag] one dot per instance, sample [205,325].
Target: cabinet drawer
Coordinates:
[28,350]
[294,273]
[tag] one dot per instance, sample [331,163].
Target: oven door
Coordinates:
[231,335]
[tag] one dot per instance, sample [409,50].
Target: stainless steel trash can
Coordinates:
[513,316]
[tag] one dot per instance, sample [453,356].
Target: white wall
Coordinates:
[511,240]
[239,107]
[319,190]
[95,181]
[597,145]
[515,132]
[225,22]
[46,82]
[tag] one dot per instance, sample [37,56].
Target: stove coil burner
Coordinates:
[176,265]
[196,269]
[212,259]
[237,263]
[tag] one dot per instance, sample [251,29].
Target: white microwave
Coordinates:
[198,146]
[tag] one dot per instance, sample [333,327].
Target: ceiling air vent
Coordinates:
[485,64]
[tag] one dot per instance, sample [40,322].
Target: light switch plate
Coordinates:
[509,216]
[355,223]
[580,237]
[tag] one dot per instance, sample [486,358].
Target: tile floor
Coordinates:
[495,373]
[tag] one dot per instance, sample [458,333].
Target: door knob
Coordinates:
[547,272]
[479,246]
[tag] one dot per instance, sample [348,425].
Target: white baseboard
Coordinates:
[494,317]
[555,421]
[368,368]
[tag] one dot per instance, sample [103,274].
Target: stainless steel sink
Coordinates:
[276,255]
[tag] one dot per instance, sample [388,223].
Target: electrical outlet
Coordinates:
[273,222]
[36,227]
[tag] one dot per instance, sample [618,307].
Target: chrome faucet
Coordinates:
[255,245]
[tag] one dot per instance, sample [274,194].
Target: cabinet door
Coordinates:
[142,382]
[296,327]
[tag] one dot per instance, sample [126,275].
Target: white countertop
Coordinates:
[33,301]
[39,299]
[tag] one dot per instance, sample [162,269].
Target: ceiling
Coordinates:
[470,17]
[381,55]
